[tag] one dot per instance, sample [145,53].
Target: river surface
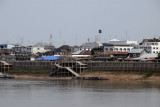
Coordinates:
[78,93]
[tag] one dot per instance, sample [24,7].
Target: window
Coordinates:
[106,49]
[111,49]
[153,47]
[153,51]
[120,49]
[156,47]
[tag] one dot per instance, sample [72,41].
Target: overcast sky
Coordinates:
[72,22]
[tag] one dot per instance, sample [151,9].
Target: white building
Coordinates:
[117,47]
[37,49]
[88,46]
[150,47]
[41,48]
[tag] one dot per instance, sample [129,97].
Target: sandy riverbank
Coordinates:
[123,76]
[110,76]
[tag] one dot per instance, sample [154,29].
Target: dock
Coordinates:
[67,69]
[4,66]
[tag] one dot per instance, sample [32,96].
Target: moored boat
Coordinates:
[5,76]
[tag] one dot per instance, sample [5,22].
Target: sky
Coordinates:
[72,22]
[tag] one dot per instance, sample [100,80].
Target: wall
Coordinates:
[123,66]
[94,66]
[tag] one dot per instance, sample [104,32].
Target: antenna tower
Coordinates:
[50,40]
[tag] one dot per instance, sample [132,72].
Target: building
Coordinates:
[110,56]
[40,48]
[117,47]
[82,55]
[150,45]
[88,46]
[141,54]
[20,49]
[75,48]
[136,53]
[6,46]
[63,50]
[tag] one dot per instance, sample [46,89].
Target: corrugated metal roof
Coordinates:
[136,50]
[77,52]
[49,58]
[85,52]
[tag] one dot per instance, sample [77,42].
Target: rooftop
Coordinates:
[136,50]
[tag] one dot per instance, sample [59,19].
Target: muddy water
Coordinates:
[78,93]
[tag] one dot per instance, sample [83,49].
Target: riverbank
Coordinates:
[145,76]
[44,77]
[116,75]
[32,74]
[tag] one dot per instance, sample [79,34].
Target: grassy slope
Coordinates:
[33,72]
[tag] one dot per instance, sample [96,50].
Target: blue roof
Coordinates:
[49,58]
[3,44]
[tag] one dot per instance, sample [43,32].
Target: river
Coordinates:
[78,93]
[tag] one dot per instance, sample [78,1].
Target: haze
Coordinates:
[72,22]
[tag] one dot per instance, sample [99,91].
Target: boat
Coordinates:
[90,78]
[5,76]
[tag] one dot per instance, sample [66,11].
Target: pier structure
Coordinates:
[4,66]
[67,69]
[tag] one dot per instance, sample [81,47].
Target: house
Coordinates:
[82,55]
[63,50]
[75,48]
[134,53]
[141,54]
[107,56]
[41,48]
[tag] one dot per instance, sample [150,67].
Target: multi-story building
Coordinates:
[41,48]
[6,46]
[118,46]
[149,45]
[20,49]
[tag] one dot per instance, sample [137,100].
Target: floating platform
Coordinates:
[6,76]
[90,78]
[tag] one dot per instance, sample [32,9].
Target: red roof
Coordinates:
[85,52]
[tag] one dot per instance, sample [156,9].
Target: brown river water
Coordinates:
[78,93]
